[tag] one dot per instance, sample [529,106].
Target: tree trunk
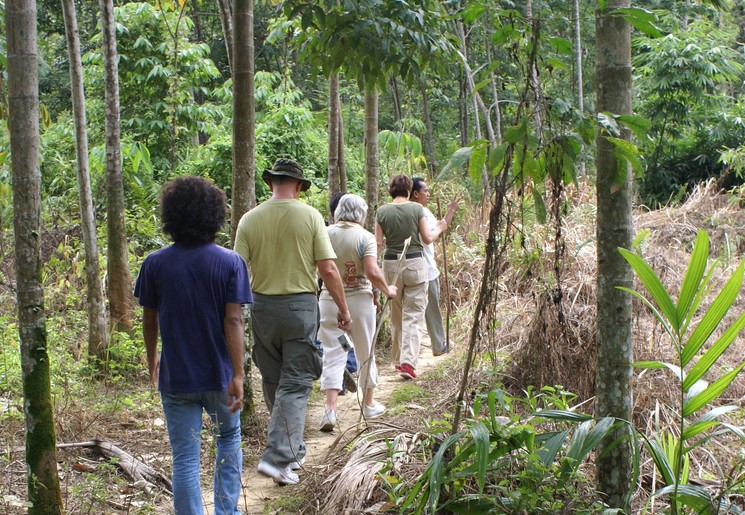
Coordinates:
[244,147]
[244,116]
[342,163]
[494,85]
[372,169]
[226,20]
[23,100]
[396,100]
[534,83]
[430,134]
[98,334]
[334,183]
[121,301]
[578,63]
[614,229]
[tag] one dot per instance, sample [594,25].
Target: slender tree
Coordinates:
[614,230]
[244,113]
[121,301]
[334,141]
[578,73]
[98,334]
[226,20]
[372,167]
[23,99]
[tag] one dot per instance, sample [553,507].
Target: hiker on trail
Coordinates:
[432,315]
[192,292]
[351,366]
[394,223]
[357,260]
[284,243]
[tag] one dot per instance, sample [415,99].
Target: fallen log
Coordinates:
[142,475]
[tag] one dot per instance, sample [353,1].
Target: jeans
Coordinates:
[184,420]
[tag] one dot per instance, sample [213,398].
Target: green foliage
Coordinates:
[683,81]
[505,465]
[697,356]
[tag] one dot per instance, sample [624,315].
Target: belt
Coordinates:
[408,256]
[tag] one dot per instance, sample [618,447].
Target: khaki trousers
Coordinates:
[407,308]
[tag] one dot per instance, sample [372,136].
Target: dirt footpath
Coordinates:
[258,490]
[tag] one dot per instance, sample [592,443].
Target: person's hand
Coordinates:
[344,320]
[392,292]
[376,301]
[154,372]
[235,394]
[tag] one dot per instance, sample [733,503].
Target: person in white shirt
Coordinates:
[432,315]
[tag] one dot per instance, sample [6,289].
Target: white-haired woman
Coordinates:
[357,261]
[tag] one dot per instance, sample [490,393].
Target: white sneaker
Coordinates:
[280,476]
[328,421]
[297,464]
[373,411]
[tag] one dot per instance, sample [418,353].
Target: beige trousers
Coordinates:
[407,308]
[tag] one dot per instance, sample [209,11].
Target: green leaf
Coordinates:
[540,207]
[706,421]
[710,356]
[476,164]
[551,446]
[516,133]
[626,152]
[496,158]
[459,158]
[637,124]
[696,270]
[561,45]
[713,316]
[714,390]
[565,415]
[641,19]
[481,438]
[661,461]
[694,496]
[654,286]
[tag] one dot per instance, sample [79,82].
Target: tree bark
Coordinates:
[578,63]
[614,229]
[372,169]
[430,133]
[333,168]
[226,20]
[396,100]
[342,163]
[244,148]
[244,116]
[121,301]
[98,333]
[23,100]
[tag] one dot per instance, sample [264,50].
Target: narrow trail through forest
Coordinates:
[259,490]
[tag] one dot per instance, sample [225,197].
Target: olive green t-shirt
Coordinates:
[281,240]
[399,221]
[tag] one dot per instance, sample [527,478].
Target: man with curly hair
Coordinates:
[285,244]
[192,292]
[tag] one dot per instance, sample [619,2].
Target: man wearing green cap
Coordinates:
[284,243]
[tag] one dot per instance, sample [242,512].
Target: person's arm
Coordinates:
[429,236]
[375,274]
[232,326]
[150,335]
[332,280]
[379,237]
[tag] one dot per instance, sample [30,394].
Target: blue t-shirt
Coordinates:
[189,285]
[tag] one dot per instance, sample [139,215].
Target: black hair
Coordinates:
[192,209]
[333,202]
[417,183]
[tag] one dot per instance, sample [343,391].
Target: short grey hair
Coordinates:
[351,208]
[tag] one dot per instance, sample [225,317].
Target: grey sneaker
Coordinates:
[281,476]
[328,421]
